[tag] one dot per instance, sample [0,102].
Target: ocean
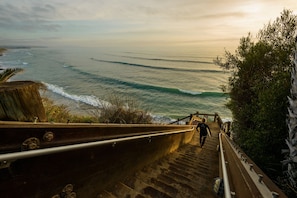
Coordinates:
[168,84]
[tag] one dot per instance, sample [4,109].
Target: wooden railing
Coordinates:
[39,160]
[189,119]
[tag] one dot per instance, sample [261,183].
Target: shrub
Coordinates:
[117,110]
[60,113]
[122,110]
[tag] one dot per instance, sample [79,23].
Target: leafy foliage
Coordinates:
[60,113]
[117,110]
[258,90]
[122,110]
[8,73]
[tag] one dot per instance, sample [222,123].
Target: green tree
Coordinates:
[258,88]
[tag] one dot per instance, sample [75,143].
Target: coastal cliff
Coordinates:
[21,101]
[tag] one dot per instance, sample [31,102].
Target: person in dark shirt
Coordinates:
[203,131]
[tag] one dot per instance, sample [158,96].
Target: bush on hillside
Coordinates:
[122,110]
[117,110]
[60,113]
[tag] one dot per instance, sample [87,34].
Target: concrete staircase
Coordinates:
[187,172]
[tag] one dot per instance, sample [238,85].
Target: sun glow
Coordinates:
[251,8]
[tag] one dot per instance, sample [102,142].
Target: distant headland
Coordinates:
[2,50]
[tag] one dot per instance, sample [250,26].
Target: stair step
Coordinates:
[105,194]
[146,187]
[120,189]
[185,173]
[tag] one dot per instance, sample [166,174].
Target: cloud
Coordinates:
[49,9]
[28,17]
[225,15]
[135,20]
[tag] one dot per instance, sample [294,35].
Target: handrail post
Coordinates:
[215,117]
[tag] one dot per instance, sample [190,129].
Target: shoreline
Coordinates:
[76,101]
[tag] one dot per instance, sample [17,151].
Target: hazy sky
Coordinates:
[156,23]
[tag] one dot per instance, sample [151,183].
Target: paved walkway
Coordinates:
[188,172]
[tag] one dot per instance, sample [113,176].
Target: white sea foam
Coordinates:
[227,120]
[162,119]
[87,99]
[190,92]
[65,65]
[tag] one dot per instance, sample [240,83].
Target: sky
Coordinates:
[145,23]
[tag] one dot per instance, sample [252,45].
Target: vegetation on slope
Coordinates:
[117,110]
[258,90]
[122,110]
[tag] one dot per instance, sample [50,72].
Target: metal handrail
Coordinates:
[256,178]
[227,191]
[10,157]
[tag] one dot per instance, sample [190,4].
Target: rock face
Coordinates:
[21,101]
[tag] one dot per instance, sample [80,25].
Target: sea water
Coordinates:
[168,84]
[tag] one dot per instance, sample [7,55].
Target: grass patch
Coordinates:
[123,111]
[60,113]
